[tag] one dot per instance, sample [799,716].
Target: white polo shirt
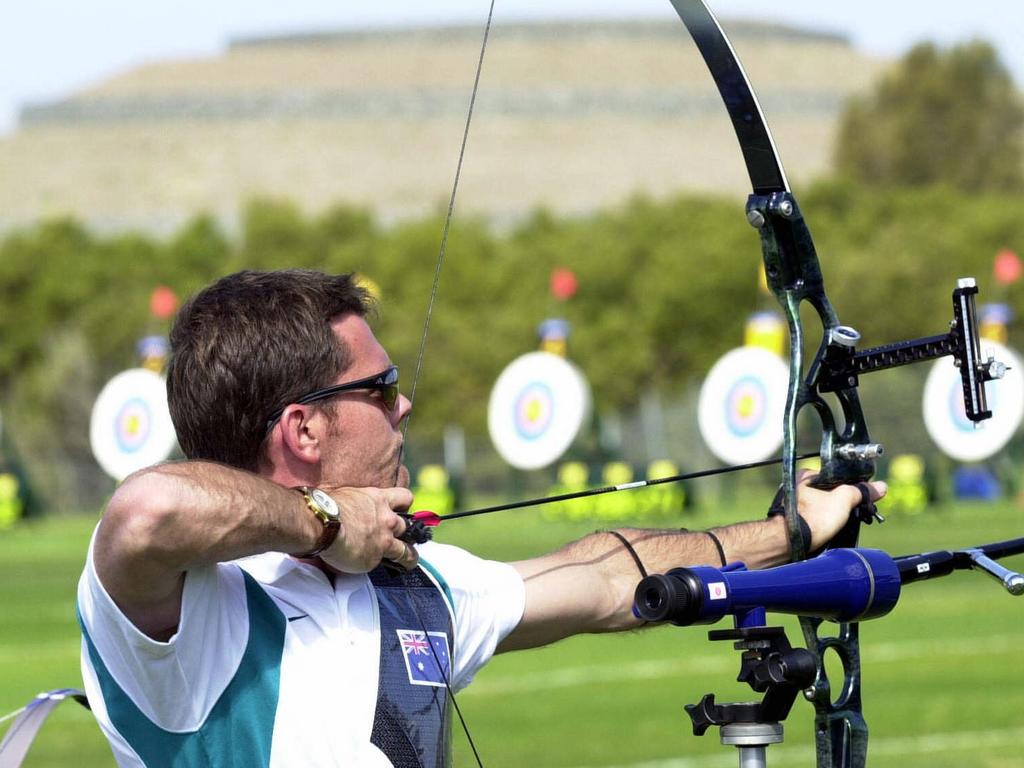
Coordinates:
[328,640]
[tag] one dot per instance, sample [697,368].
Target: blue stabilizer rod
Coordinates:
[841,584]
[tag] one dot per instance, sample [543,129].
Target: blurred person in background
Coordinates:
[256,604]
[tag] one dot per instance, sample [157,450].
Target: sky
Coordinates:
[51,48]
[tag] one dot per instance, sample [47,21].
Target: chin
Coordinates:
[403,476]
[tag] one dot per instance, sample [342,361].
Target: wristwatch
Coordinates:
[326,510]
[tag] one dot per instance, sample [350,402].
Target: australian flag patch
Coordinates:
[426,656]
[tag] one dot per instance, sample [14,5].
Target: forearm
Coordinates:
[170,518]
[588,585]
[758,544]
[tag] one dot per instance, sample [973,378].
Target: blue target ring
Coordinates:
[132,425]
[533,410]
[745,406]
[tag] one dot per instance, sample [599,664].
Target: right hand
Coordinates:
[370,529]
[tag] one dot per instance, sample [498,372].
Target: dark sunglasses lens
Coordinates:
[389,394]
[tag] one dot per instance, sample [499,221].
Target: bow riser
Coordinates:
[794,276]
[793,273]
[840,730]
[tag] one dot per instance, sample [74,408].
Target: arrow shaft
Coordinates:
[619,487]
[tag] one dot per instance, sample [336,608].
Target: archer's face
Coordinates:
[363,444]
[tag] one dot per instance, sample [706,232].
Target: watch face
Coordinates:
[325,502]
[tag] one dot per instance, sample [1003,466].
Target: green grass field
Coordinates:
[943,680]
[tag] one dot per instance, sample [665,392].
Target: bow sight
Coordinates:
[841,364]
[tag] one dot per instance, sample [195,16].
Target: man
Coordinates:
[230,619]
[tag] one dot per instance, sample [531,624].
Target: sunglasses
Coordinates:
[385,382]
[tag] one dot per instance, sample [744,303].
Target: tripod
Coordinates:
[769,665]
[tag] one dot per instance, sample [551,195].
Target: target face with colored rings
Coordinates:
[741,405]
[745,406]
[945,416]
[131,426]
[536,409]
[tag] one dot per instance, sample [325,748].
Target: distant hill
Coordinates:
[570,115]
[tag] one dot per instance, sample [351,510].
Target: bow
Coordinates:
[847,453]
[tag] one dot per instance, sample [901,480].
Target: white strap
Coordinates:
[29,720]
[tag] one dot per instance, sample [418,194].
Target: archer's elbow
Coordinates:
[139,519]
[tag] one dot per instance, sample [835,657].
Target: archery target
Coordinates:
[536,409]
[130,426]
[945,416]
[742,404]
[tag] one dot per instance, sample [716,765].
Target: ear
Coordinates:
[302,428]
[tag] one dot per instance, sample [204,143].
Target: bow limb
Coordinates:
[794,276]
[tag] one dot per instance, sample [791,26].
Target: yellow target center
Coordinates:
[533,410]
[746,406]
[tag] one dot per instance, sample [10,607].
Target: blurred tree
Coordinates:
[197,254]
[39,277]
[275,235]
[664,290]
[892,256]
[950,117]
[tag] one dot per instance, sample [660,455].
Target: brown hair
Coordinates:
[250,344]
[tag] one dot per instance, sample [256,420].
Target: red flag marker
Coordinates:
[163,302]
[563,284]
[1007,267]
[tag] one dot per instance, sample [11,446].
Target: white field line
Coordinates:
[650,669]
[40,651]
[904,746]
[568,677]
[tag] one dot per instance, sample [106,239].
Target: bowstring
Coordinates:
[443,249]
[442,252]
[446,679]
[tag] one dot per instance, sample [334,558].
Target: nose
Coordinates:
[403,409]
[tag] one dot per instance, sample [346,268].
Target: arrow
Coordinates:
[432,519]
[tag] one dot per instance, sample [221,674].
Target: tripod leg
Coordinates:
[753,757]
